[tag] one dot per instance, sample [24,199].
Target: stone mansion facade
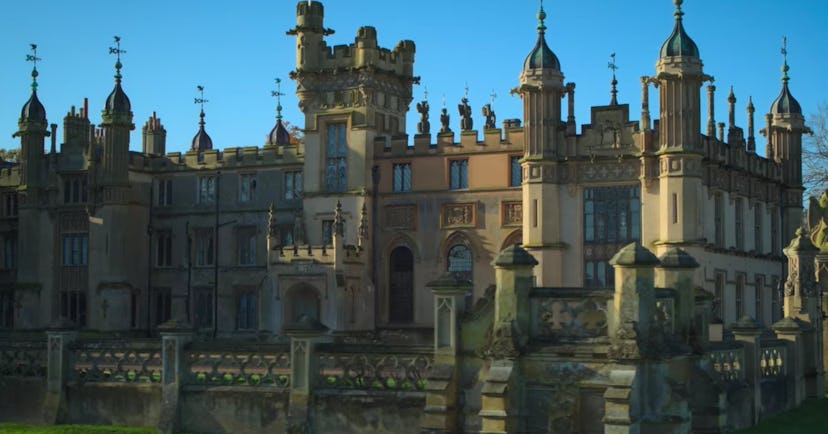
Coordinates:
[349,225]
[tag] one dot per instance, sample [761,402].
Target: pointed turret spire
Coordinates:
[614,92]
[731,109]
[279,135]
[785,103]
[679,43]
[202,140]
[541,57]
[33,110]
[751,140]
[117,101]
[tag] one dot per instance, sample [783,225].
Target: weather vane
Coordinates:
[200,99]
[117,51]
[493,95]
[784,52]
[444,100]
[278,94]
[33,58]
[614,67]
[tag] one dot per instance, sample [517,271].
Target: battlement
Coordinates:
[230,157]
[318,254]
[366,52]
[494,140]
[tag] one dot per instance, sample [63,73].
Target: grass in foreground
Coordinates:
[15,428]
[811,417]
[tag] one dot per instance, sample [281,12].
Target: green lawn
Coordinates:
[14,428]
[811,417]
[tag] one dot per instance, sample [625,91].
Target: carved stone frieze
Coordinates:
[511,213]
[400,217]
[458,215]
[609,171]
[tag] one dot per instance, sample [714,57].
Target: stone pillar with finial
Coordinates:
[711,108]
[751,140]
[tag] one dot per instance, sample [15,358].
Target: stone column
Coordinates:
[440,413]
[747,331]
[801,287]
[58,369]
[788,329]
[630,329]
[513,279]
[304,335]
[174,338]
[676,271]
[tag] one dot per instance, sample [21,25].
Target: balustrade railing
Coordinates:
[727,363]
[261,367]
[773,358]
[122,362]
[23,359]
[373,370]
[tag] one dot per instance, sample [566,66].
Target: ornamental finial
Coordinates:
[278,94]
[678,13]
[784,52]
[541,18]
[200,100]
[33,58]
[117,51]
[614,92]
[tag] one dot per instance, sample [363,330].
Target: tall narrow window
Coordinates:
[402,177]
[293,185]
[247,246]
[203,304]
[757,229]
[458,174]
[774,231]
[612,219]
[204,247]
[10,251]
[247,187]
[73,306]
[718,295]
[336,167]
[740,295]
[675,208]
[718,219]
[75,247]
[776,300]
[515,171]
[401,286]
[6,308]
[206,189]
[9,204]
[161,305]
[759,307]
[75,189]
[165,192]
[739,225]
[163,249]
[247,309]
[327,232]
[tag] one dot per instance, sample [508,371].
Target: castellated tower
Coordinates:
[352,96]
[541,88]
[679,77]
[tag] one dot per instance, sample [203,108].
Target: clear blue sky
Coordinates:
[236,49]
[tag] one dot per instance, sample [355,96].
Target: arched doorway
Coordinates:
[401,286]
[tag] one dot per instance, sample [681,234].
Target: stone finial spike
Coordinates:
[678,13]
[339,224]
[731,108]
[541,18]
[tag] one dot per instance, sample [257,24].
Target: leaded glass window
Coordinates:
[336,167]
[612,219]
[402,177]
[458,174]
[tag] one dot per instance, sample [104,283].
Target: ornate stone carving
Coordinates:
[401,217]
[424,126]
[505,342]
[511,213]
[466,122]
[624,171]
[489,114]
[444,121]
[458,215]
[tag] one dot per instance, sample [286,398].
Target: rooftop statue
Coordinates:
[489,114]
[466,123]
[444,121]
[818,220]
[423,127]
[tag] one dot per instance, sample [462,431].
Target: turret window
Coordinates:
[75,248]
[515,171]
[293,185]
[206,189]
[247,187]
[458,174]
[336,167]
[402,177]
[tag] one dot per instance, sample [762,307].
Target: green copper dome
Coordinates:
[541,57]
[679,43]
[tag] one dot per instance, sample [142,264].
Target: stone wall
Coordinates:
[233,410]
[21,399]
[355,412]
[113,404]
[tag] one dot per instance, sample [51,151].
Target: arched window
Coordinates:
[459,261]
[515,237]
[303,300]
[401,286]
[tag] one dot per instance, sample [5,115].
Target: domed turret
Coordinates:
[33,110]
[117,101]
[679,43]
[785,103]
[202,140]
[279,135]
[541,56]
